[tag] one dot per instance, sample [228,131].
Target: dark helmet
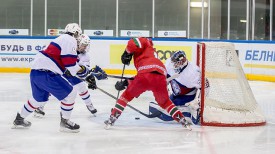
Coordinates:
[179,60]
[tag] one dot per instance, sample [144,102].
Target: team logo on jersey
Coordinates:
[175,87]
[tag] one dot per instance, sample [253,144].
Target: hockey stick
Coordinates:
[120,77]
[131,78]
[153,115]
[121,80]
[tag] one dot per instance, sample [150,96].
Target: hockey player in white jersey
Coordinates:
[59,58]
[81,87]
[185,88]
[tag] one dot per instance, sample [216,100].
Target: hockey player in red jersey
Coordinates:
[151,75]
[186,88]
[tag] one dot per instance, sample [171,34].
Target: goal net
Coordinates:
[230,101]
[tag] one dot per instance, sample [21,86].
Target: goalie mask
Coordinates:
[179,60]
[83,43]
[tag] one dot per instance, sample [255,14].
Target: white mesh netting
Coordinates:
[230,101]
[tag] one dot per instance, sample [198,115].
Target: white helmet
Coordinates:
[74,29]
[83,42]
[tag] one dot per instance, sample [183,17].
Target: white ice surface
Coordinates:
[128,136]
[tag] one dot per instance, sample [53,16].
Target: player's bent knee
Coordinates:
[71,97]
[81,87]
[35,103]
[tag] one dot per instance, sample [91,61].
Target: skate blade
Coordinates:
[93,114]
[19,127]
[39,116]
[66,130]
[107,127]
[188,128]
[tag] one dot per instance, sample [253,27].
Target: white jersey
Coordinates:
[84,59]
[58,56]
[189,80]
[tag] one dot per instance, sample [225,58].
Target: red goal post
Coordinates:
[230,101]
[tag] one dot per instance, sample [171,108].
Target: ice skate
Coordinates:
[39,113]
[68,126]
[19,122]
[92,109]
[110,122]
[113,117]
[185,123]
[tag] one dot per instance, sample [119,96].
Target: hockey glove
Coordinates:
[90,79]
[83,72]
[121,85]
[126,58]
[99,73]
[101,76]
[67,73]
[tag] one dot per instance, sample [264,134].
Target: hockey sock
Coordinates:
[117,110]
[174,112]
[86,97]
[119,107]
[66,110]
[27,109]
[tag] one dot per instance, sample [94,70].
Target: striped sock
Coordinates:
[174,112]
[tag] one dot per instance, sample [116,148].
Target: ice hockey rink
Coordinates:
[128,136]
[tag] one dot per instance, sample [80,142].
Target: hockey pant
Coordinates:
[45,82]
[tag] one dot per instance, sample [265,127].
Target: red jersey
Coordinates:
[144,58]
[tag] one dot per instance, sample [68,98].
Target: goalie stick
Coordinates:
[121,80]
[132,78]
[119,77]
[153,115]
[172,77]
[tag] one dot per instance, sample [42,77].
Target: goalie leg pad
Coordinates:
[153,108]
